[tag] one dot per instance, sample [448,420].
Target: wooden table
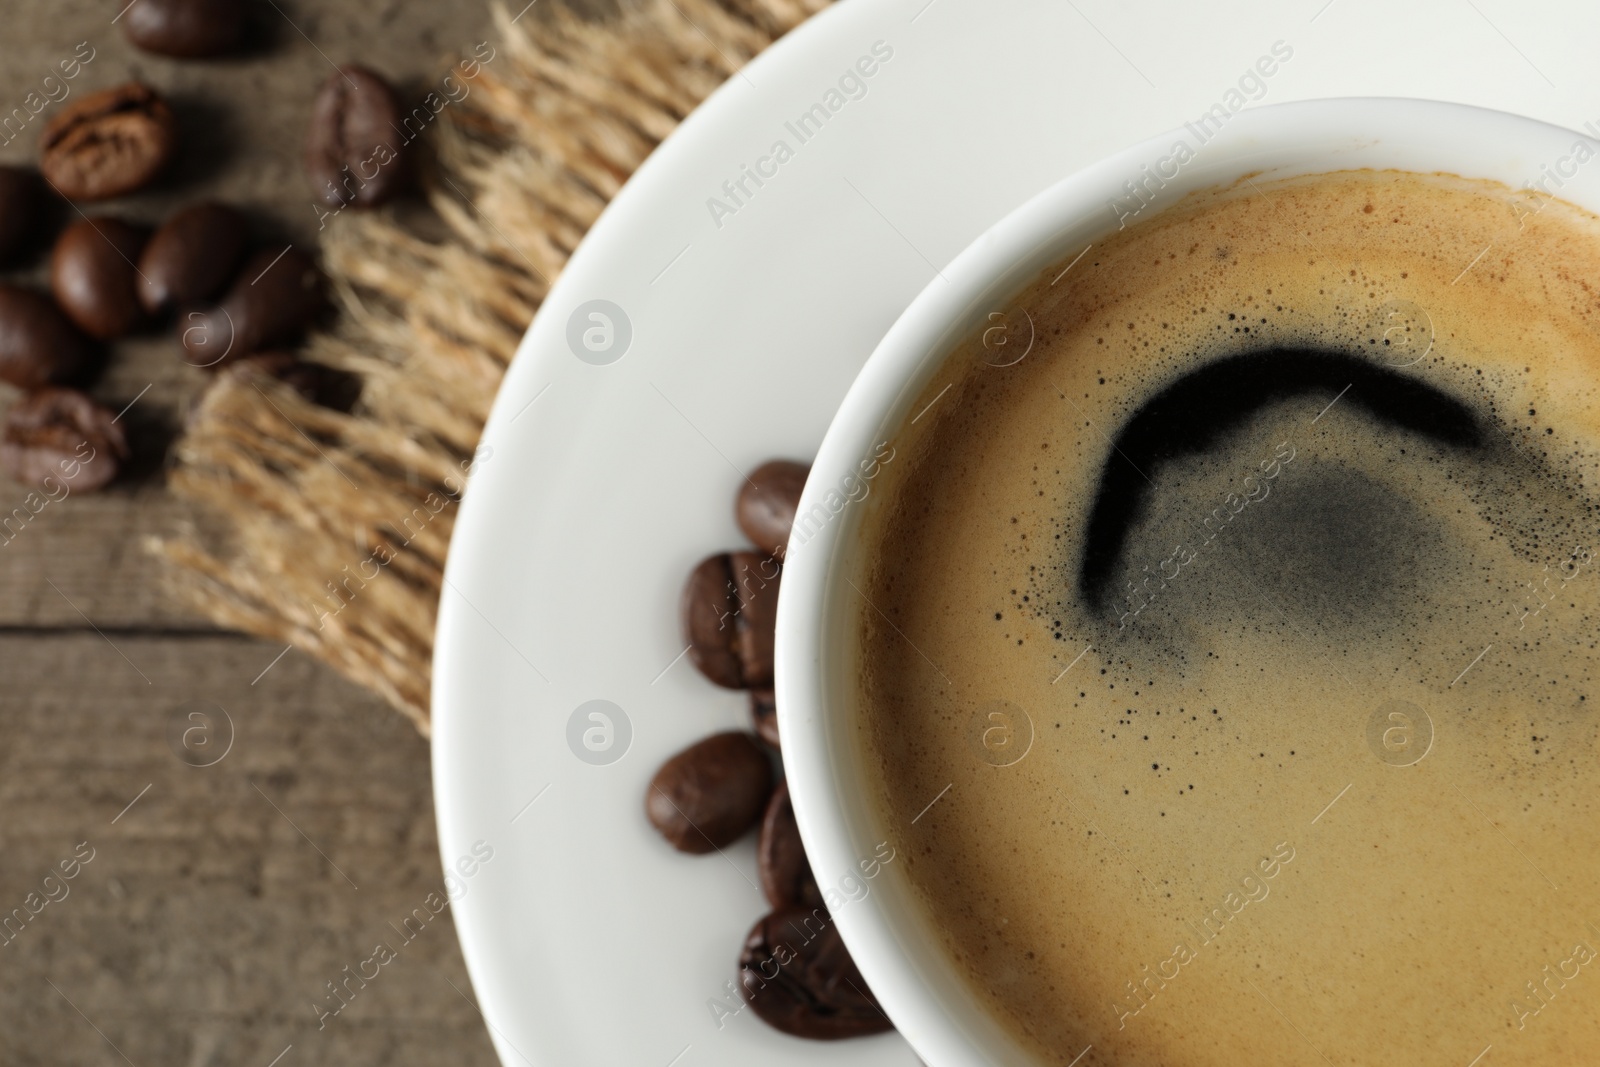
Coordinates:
[219,900]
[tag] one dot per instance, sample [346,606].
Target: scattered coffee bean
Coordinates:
[93,276]
[354,152]
[786,876]
[61,434]
[794,969]
[192,257]
[108,143]
[21,203]
[187,29]
[709,794]
[729,610]
[766,504]
[764,713]
[276,296]
[797,975]
[37,343]
[709,605]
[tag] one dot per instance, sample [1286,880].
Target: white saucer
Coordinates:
[588,939]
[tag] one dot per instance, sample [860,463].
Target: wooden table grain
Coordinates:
[219,901]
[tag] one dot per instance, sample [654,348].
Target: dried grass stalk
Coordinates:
[328,531]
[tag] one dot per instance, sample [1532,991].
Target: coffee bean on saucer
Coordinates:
[38,345]
[185,29]
[354,151]
[764,713]
[798,976]
[274,299]
[786,876]
[729,610]
[709,794]
[61,434]
[22,202]
[756,579]
[191,257]
[766,503]
[93,276]
[709,605]
[108,143]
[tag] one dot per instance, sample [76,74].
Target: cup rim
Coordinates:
[894,945]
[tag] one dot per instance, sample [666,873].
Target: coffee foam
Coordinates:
[1202,703]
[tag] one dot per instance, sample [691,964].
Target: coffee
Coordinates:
[61,441]
[1225,660]
[93,276]
[186,29]
[38,345]
[275,297]
[108,143]
[192,256]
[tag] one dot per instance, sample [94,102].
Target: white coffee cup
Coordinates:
[888,933]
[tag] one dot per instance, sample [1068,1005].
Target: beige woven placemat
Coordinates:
[328,531]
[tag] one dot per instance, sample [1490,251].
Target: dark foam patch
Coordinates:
[1341,546]
[1379,541]
[1193,414]
[1411,501]
[1336,551]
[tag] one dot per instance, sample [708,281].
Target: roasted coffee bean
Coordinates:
[709,605]
[354,151]
[756,579]
[272,301]
[786,876]
[192,257]
[55,437]
[108,143]
[797,975]
[766,504]
[93,276]
[709,794]
[764,713]
[187,29]
[22,202]
[37,343]
[730,610]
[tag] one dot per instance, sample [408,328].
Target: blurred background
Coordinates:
[220,901]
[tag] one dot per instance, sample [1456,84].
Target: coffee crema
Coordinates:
[1224,664]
